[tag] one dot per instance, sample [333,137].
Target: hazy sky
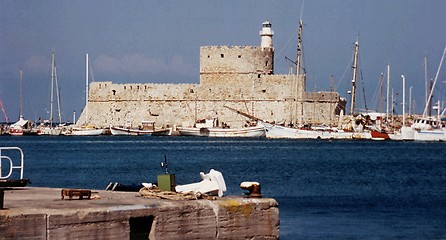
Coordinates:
[148,41]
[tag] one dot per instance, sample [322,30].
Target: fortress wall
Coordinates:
[268,97]
[100,91]
[322,107]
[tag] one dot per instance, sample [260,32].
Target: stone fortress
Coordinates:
[240,77]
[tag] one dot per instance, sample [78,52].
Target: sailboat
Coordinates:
[428,128]
[86,129]
[50,130]
[22,126]
[378,132]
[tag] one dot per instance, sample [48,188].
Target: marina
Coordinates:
[223,120]
[324,189]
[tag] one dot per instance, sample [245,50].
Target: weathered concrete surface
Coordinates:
[40,213]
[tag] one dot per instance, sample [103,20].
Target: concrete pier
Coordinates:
[41,213]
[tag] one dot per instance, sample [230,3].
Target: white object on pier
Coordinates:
[212,182]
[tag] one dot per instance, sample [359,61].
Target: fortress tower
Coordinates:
[226,64]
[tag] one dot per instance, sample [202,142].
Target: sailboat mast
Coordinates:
[410,101]
[355,66]
[52,88]
[404,100]
[21,95]
[299,48]
[381,100]
[298,67]
[388,91]
[425,79]
[86,88]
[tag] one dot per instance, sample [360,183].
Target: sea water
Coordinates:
[325,189]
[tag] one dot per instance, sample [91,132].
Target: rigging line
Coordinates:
[287,44]
[59,116]
[362,81]
[435,81]
[91,69]
[4,112]
[343,75]
[347,68]
[376,94]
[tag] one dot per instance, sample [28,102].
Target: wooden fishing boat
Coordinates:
[147,129]
[209,128]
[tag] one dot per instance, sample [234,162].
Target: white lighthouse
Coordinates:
[266,35]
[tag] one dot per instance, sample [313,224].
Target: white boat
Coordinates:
[208,129]
[147,129]
[437,135]
[84,131]
[258,131]
[52,131]
[15,130]
[278,131]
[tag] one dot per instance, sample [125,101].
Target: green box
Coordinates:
[166,182]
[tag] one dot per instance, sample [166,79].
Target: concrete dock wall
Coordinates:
[40,213]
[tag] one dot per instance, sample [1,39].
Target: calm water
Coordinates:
[325,189]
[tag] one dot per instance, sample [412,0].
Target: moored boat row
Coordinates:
[422,129]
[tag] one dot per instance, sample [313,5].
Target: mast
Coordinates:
[299,48]
[298,67]
[388,92]
[355,66]
[404,100]
[21,95]
[425,79]
[86,88]
[331,97]
[381,100]
[52,88]
[410,101]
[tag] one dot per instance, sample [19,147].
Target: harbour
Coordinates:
[204,120]
[324,189]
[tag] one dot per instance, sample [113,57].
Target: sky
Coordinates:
[149,41]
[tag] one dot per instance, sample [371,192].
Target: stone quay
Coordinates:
[41,213]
